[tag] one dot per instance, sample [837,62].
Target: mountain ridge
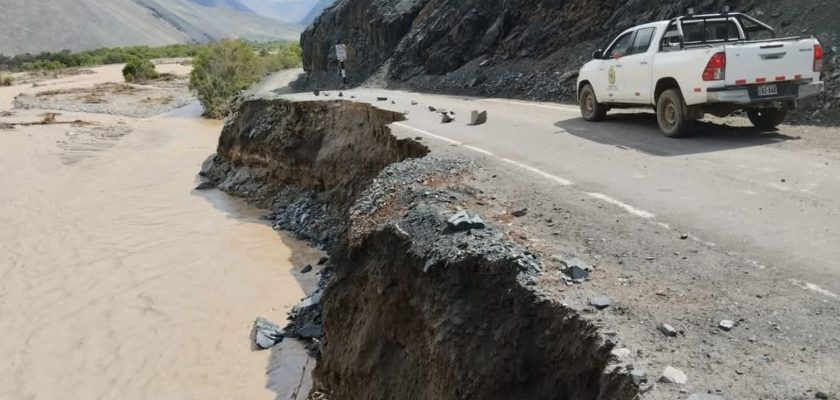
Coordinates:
[88,24]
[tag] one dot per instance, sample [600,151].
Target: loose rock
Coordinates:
[668,330]
[639,377]
[620,353]
[265,334]
[323,260]
[306,269]
[205,186]
[726,325]
[673,375]
[577,270]
[600,302]
[520,213]
[413,102]
[382,98]
[478,118]
[316,92]
[463,221]
[432,109]
[445,119]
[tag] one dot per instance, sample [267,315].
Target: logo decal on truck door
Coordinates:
[612,75]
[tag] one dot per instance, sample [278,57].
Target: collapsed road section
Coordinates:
[422,299]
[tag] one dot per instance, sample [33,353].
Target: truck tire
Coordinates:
[766,118]
[671,113]
[590,108]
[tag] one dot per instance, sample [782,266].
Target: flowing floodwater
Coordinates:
[118,281]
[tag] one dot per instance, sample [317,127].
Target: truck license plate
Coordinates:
[768,90]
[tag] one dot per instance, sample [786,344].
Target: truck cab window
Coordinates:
[621,47]
[643,39]
[711,31]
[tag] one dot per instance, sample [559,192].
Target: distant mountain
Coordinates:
[51,25]
[234,5]
[316,11]
[297,11]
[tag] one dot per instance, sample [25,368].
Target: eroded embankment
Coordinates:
[410,308]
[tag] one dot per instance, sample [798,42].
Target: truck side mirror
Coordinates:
[598,54]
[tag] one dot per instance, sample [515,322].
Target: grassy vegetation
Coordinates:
[139,70]
[224,69]
[120,55]
[6,80]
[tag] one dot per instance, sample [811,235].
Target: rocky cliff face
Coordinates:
[519,48]
[371,28]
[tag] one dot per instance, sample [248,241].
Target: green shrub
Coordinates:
[6,80]
[222,70]
[284,57]
[139,70]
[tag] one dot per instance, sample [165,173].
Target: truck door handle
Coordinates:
[644,63]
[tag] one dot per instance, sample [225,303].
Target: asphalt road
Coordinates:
[771,196]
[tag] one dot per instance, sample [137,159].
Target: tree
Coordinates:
[220,72]
[139,70]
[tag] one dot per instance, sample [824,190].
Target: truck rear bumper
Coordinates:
[747,94]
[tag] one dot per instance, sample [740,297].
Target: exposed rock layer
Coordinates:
[410,311]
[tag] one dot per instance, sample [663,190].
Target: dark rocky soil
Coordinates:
[409,307]
[527,49]
[412,307]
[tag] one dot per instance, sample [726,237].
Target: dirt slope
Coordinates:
[414,310]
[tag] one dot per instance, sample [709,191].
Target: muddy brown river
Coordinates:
[118,281]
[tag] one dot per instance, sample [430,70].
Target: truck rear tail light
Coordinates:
[818,58]
[716,68]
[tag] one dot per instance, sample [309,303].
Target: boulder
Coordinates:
[265,334]
[478,118]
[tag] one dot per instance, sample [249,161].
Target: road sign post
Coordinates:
[341,55]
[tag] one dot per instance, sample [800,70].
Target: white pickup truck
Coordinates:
[697,64]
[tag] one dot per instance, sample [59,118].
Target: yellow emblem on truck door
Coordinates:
[612,75]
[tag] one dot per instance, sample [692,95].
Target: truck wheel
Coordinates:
[766,118]
[589,106]
[671,113]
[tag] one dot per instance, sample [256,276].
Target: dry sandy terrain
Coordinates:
[119,281]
